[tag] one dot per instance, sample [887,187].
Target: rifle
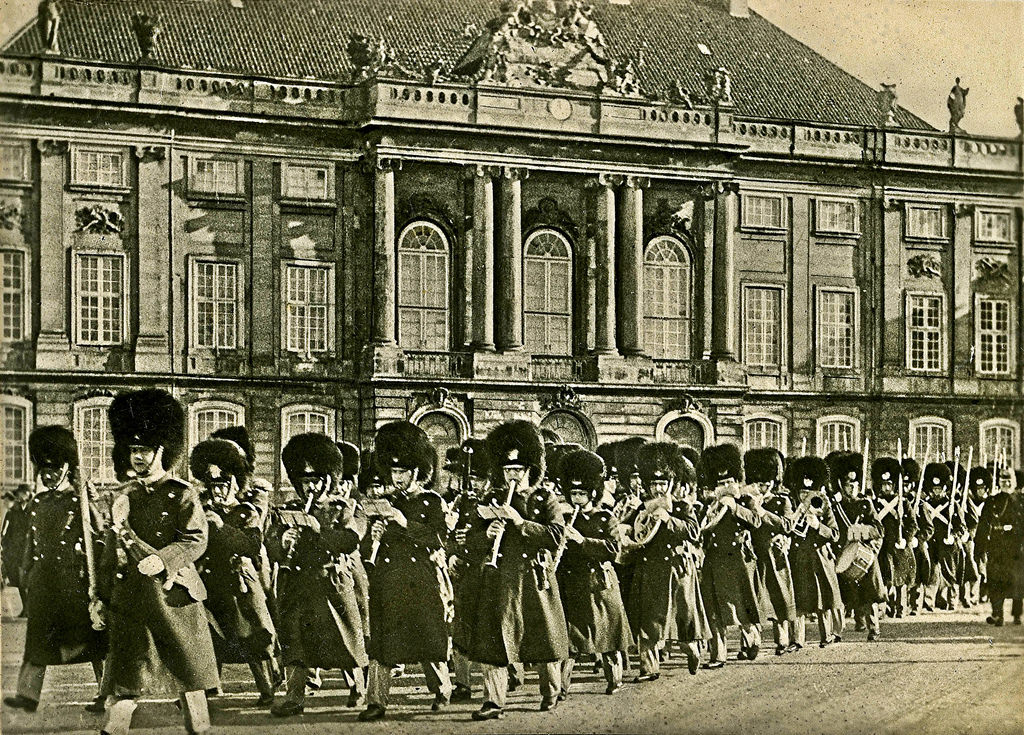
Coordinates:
[963,505]
[90,559]
[951,507]
[899,491]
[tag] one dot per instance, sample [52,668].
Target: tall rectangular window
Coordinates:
[836,329]
[100,299]
[99,168]
[214,177]
[925,332]
[836,215]
[305,422]
[926,221]
[930,440]
[12,293]
[13,162]
[215,304]
[305,182]
[15,443]
[762,327]
[1000,441]
[993,335]
[993,226]
[763,211]
[306,308]
[95,442]
[836,434]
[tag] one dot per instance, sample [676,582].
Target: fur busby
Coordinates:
[579,468]
[1018,478]
[693,455]
[311,454]
[846,466]
[53,446]
[764,464]
[961,472]
[885,469]
[370,474]
[216,459]
[721,462]
[404,445]
[606,452]
[980,479]
[151,418]
[809,474]
[911,471]
[454,460]
[476,453]
[664,461]
[517,443]
[350,460]
[937,475]
[122,462]
[553,455]
[626,453]
[240,436]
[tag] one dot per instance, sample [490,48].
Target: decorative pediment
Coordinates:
[547,43]
[547,213]
[421,205]
[565,400]
[683,404]
[97,219]
[924,266]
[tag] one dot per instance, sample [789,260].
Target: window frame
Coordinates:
[979,237]
[77,255]
[744,215]
[76,172]
[1011,368]
[193,310]
[820,229]
[78,414]
[287,263]
[27,406]
[782,326]
[399,306]
[819,294]
[26,294]
[943,333]
[25,176]
[327,168]
[1000,423]
[774,418]
[211,404]
[836,418]
[688,319]
[196,191]
[943,211]
[294,409]
[920,421]
[570,316]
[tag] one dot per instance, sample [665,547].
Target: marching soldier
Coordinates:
[519,609]
[55,569]
[925,530]
[896,559]
[1000,542]
[594,614]
[729,582]
[311,540]
[158,631]
[945,547]
[979,482]
[763,467]
[410,591]
[241,626]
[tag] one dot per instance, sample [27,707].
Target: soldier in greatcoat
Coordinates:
[158,630]
[60,628]
[1000,543]
[811,555]
[763,467]
[729,584]
[410,591]
[12,541]
[896,559]
[519,609]
[240,622]
[594,613]
[946,546]
[925,530]
[311,540]
[979,483]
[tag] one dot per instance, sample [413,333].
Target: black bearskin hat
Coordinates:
[475,452]
[215,459]
[846,466]
[981,478]
[693,455]
[554,454]
[311,454]
[151,418]
[240,436]
[937,475]
[764,464]
[664,461]
[122,461]
[885,469]
[811,469]
[721,462]
[453,460]
[625,457]
[53,446]
[370,474]
[961,472]
[405,445]
[517,443]
[350,460]
[606,452]
[581,469]
[911,470]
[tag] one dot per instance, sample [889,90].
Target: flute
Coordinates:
[564,541]
[501,534]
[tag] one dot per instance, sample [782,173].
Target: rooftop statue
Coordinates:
[957,103]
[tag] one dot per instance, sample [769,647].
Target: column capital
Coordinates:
[892,204]
[481,170]
[150,153]
[636,182]
[713,189]
[963,209]
[52,146]
[605,179]
[515,173]
[372,162]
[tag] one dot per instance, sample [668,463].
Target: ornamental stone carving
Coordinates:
[924,266]
[548,213]
[96,219]
[565,400]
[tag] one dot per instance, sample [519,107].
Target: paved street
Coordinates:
[938,673]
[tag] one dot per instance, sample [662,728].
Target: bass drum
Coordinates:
[855,561]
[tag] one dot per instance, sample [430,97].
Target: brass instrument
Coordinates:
[812,504]
[564,541]
[646,525]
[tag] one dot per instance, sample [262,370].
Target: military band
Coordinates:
[514,553]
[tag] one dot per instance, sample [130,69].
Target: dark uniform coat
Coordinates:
[12,542]
[594,614]
[465,574]
[729,583]
[898,565]
[771,546]
[1000,537]
[319,622]
[410,590]
[946,549]
[161,638]
[869,588]
[241,626]
[519,615]
[813,563]
[969,570]
[59,627]
[923,553]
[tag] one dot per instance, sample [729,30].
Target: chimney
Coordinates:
[739,8]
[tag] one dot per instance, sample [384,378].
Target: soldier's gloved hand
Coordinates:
[310,521]
[460,535]
[573,535]
[97,614]
[813,521]
[495,528]
[377,530]
[214,519]
[398,517]
[151,565]
[290,537]
[513,515]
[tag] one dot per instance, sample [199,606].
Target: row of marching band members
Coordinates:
[530,555]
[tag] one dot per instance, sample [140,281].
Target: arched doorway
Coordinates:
[689,428]
[444,432]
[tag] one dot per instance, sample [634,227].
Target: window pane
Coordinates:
[13,295]
[216,177]
[95,444]
[209,420]
[100,299]
[306,305]
[763,433]
[423,288]
[763,328]
[15,452]
[547,294]
[993,327]
[925,332]
[836,329]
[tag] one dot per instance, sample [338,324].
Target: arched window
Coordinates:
[444,430]
[306,419]
[423,287]
[838,433]
[569,427]
[931,439]
[206,417]
[999,438]
[95,442]
[764,431]
[666,299]
[547,294]
[688,429]
[17,423]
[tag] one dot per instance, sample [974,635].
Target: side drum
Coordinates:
[855,561]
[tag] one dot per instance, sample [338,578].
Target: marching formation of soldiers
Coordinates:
[511,554]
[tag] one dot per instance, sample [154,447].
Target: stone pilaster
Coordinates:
[152,346]
[509,276]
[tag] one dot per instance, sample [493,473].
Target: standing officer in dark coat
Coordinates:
[320,625]
[159,634]
[60,628]
[519,610]
[1000,542]
[410,591]
[12,541]
[242,629]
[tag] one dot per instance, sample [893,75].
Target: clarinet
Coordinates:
[501,534]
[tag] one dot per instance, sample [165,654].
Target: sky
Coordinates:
[921,45]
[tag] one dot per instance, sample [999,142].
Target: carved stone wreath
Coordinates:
[565,399]
[994,272]
[10,215]
[548,213]
[924,266]
[420,205]
[671,220]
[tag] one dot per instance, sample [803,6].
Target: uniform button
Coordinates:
[426,502]
[387,560]
[412,558]
[524,556]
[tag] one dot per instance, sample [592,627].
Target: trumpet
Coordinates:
[812,504]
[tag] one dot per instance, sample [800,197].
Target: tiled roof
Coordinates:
[773,74]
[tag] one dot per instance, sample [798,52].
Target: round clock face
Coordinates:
[568,428]
[560,108]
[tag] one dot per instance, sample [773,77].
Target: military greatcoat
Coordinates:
[898,565]
[771,546]
[1000,537]
[813,563]
[729,584]
[869,588]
